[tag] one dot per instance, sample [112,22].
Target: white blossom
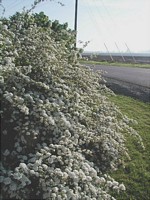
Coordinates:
[7,181]
[62,127]
[6,153]
[122,187]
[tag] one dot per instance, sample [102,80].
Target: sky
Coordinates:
[109,25]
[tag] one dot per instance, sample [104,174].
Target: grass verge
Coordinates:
[136,65]
[136,174]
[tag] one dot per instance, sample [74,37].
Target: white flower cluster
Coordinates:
[60,134]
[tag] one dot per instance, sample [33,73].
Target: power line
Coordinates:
[108,32]
[19,5]
[115,25]
[106,26]
[13,4]
[98,28]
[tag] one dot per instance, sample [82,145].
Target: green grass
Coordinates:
[136,174]
[137,65]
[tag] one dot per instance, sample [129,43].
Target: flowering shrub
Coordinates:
[59,32]
[60,134]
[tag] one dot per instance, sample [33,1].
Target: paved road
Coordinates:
[134,82]
[139,76]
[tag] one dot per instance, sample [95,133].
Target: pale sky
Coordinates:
[117,24]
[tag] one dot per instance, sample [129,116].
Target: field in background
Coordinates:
[136,174]
[134,58]
[119,64]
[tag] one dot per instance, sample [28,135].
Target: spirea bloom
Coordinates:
[60,133]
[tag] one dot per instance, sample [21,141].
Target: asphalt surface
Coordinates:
[134,82]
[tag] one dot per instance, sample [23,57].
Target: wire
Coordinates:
[108,31]
[92,18]
[110,34]
[17,6]
[3,9]
[116,29]
[97,27]
[13,4]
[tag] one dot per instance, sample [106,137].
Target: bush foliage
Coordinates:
[59,32]
[60,134]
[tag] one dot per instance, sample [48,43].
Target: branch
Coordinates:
[2,7]
[36,2]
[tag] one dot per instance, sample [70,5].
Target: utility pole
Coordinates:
[130,53]
[75,21]
[120,52]
[109,52]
